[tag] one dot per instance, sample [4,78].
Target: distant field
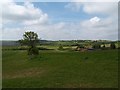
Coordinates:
[49,47]
[55,47]
[61,69]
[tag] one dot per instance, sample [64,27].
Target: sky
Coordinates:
[71,20]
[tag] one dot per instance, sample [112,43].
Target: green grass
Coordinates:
[61,69]
[49,46]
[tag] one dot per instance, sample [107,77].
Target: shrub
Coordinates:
[103,47]
[81,46]
[60,47]
[96,46]
[112,46]
[33,51]
[118,47]
[86,58]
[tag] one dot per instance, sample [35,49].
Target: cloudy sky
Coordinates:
[60,20]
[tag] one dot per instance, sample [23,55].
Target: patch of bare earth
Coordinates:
[25,73]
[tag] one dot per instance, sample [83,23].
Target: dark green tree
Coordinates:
[112,46]
[81,46]
[30,39]
[96,46]
[103,47]
[60,47]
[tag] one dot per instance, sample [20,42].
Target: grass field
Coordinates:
[54,69]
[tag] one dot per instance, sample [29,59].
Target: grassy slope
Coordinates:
[61,69]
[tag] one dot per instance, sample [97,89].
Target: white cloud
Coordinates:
[24,14]
[94,20]
[42,20]
[103,24]
[103,8]
[108,8]
[12,33]
[105,28]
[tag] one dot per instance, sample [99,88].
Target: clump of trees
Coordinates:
[80,46]
[30,39]
[96,46]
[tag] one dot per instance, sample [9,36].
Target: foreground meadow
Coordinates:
[55,69]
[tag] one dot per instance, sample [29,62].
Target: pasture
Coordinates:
[60,69]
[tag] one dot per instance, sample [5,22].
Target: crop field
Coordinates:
[60,69]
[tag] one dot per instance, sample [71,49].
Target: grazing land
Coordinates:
[60,69]
[59,44]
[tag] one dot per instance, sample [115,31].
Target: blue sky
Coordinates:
[61,20]
[57,11]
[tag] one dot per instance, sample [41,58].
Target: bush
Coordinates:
[103,47]
[118,47]
[96,46]
[81,46]
[112,46]
[33,51]
[60,47]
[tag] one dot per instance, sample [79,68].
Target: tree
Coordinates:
[96,46]
[60,47]
[112,46]
[103,47]
[81,46]
[30,39]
